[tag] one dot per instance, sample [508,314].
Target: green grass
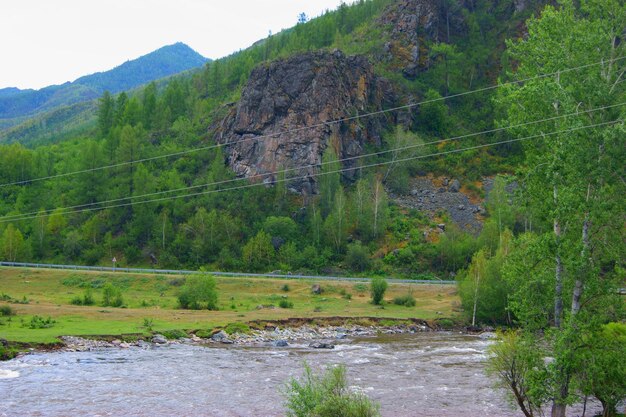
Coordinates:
[153,299]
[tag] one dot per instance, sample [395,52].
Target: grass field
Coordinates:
[152,299]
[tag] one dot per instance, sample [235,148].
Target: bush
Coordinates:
[405,300]
[174,334]
[284,303]
[377,290]
[6,311]
[86,300]
[38,322]
[285,288]
[237,327]
[199,292]
[204,333]
[112,296]
[327,396]
[357,258]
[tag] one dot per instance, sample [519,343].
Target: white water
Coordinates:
[429,374]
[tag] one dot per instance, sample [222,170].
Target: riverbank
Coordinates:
[320,333]
[41,306]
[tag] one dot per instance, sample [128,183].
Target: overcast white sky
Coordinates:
[46,42]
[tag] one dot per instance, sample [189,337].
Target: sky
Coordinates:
[47,42]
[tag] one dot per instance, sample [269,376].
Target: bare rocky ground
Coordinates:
[426,196]
[313,336]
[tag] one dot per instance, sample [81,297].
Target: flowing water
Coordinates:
[428,374]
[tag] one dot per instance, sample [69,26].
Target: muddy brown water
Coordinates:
[427,374]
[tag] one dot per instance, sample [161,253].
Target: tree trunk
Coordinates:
[558,273]
[578,286]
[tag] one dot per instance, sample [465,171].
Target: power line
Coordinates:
[250,185]
[321,124]
[379,153]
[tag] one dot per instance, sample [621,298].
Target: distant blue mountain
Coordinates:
[15,104]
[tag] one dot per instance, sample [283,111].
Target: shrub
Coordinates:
[284,303]
[86,300]
[285,288]
[377,290]
[326,396]
[199,292]
[6,311]
[38,322]
[174,334]
[204,333]
[360,287]
[357,258]
[112,296]
[237,327]
[405,300]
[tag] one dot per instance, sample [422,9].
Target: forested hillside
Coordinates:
[67,102]
[189,210]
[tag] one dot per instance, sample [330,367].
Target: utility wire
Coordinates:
[321,124]
[250,185]
[374,154]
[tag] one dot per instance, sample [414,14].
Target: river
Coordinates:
[428,374]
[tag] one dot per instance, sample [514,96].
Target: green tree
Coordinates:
[329,180]
[259,253]
[199,291]
[571,178]
[106,113]
[378,286]
[13,247]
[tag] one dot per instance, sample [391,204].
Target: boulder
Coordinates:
[316,289]
[159,339]
[280,343]
[455,186]
[221,337]
[321,345]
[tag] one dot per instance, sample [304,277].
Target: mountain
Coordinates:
[16,104]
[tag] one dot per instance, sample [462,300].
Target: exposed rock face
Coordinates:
[280,121]
[411,23]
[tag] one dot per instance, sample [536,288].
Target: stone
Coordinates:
[321,345]
[221,337]
[461,207]
[316,289]
[159,339]
[414,191]
[455,186]
[442,227]
[341,336]
[280,343]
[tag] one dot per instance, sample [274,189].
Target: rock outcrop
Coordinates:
[281,121]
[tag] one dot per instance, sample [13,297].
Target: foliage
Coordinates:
[6,311]
[237,327]
[112,296]
[326,395]
[378,286]
[199,291]
[601,370]
[518,364]
[406,300]
[357,257]
[38,322]
[174,334]
[285,303]
[86,300]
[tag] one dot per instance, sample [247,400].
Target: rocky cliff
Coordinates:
[280,121]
